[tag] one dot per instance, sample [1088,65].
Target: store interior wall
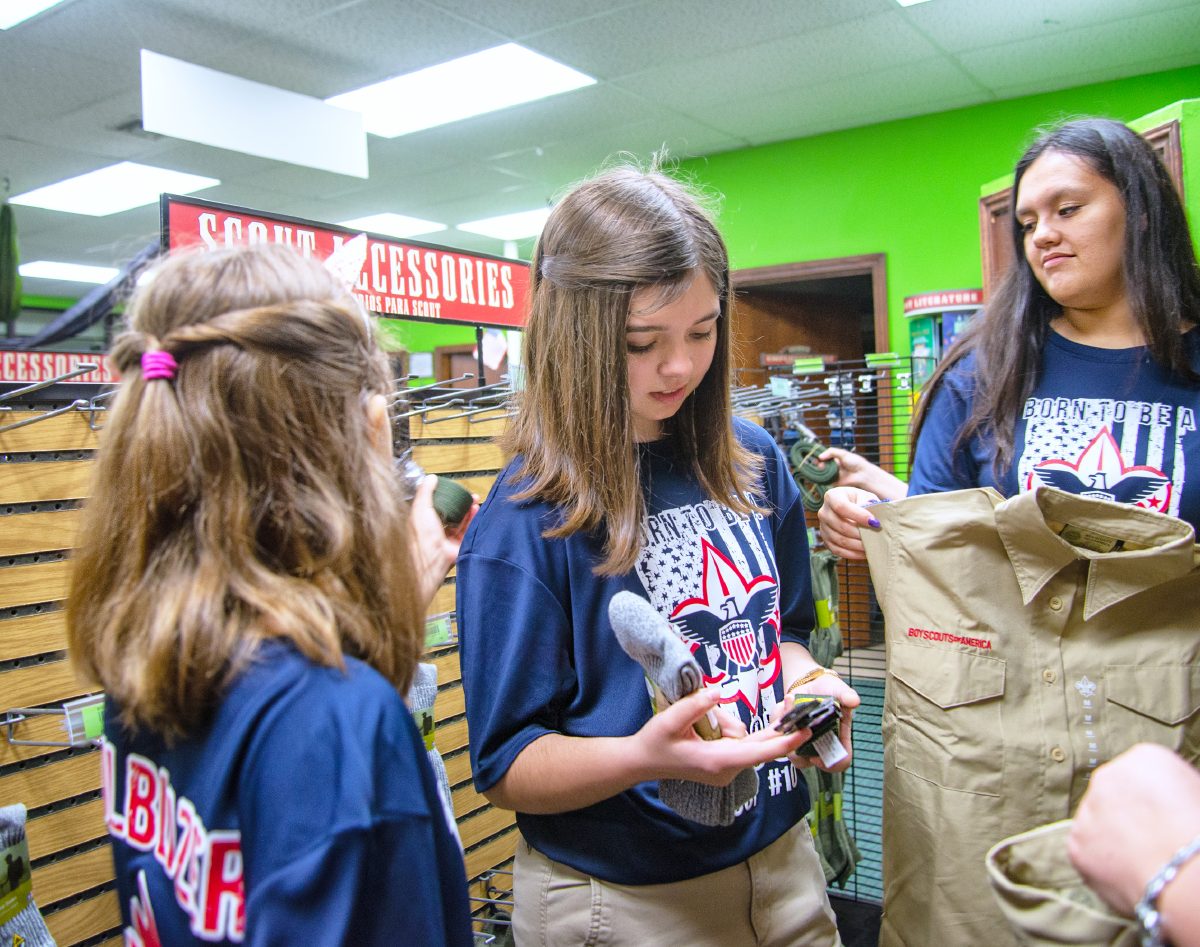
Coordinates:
[908,188]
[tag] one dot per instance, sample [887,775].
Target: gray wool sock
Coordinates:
[709,805]
[19,916]
[650,640]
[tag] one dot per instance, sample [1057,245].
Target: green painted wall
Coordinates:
[908,188]
[413,336]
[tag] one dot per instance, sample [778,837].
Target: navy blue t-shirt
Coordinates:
[539,655]
[306,813]
[1106,423]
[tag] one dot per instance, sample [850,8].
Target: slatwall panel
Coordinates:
[455,444]
[44,470]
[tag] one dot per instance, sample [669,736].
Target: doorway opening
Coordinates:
[835,308]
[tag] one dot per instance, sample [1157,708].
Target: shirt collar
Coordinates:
[1127,549]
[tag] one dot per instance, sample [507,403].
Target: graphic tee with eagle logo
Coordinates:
[1110,424]
[539,655]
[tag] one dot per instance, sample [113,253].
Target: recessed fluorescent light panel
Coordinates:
[909,3]
[199,104]
[113,189]
[527,223]
[487,81]
[393,225]
[68,272]
[13,12]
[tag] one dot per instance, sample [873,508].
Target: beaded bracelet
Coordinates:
[1146,910]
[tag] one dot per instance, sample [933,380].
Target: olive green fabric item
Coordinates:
[1043,897]
[825,642]
[832,839]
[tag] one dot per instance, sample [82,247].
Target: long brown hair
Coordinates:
[1161,276]
[243,499]
[620,232]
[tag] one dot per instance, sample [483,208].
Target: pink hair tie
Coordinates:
[158,364]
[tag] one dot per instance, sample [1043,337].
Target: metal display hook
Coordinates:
[83,720]
[77,405]
[81,369]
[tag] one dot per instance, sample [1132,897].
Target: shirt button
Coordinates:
[1056,604]
[1049,676]
[1057,754]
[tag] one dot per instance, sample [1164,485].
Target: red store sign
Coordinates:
[400,279]
[28,368]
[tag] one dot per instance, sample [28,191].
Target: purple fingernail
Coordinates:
[873,523]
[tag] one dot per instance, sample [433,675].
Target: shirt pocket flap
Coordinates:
[948,678]
[1169,694]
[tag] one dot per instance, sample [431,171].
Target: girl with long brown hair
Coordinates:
[630,475]
[249,593]
[1083,371]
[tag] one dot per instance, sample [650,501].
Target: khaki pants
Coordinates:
[774,899]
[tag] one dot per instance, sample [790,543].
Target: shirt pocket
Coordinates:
[1153,704]
[947,717]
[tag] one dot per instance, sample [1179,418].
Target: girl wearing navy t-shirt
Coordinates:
[248,594]
[1083,372]
[630,474]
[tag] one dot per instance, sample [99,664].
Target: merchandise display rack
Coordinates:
[49,433]
[864,406]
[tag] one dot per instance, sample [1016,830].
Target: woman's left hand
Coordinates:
[434,546]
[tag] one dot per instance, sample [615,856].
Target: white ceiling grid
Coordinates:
[699,76]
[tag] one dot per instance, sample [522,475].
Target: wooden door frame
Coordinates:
[873,265]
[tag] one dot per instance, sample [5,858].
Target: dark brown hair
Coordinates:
[1161,277]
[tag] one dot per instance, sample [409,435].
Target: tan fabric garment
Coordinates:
[1020,657]
[1045,900]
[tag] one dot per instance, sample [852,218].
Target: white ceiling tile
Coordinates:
[589,111]
[1062,56]
[520,18]
[636,38]
[391,38]
[1099,73]
[796,62]
[32,91]
[916,88]
[963,25]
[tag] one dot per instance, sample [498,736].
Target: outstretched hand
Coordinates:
[671,749]
[434,546]
[843,512]
[828,685]
[854,470]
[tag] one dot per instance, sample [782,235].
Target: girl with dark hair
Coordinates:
[631,475]
[250,594]
[1083,372]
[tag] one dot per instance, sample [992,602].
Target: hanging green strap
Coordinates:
[813,476]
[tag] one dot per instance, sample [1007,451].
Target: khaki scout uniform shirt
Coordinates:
[1045,899]
[1029,640]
